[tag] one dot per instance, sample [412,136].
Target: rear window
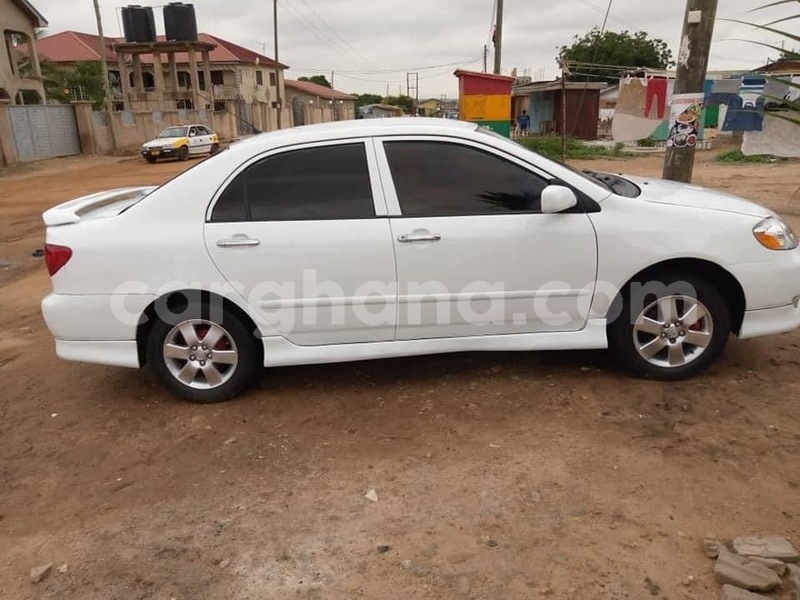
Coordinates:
[311,184]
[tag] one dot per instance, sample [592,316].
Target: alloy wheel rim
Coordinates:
[673,331]
[200,354]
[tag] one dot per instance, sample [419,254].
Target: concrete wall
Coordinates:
[779,138]
[13,19]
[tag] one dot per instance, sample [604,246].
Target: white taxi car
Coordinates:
[181,141]
[382,238]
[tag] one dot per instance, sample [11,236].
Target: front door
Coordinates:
[303,233]
[475,256]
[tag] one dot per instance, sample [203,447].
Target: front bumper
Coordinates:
[770,321]
[160,153]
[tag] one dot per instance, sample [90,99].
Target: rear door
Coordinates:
[303,233]
[195,141]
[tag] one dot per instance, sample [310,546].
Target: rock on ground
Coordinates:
[766,547]
[745,573]
[731,592]
[40,572]
[712,546]
[771,563]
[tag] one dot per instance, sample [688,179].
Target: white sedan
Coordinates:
[181,141]
[397,237]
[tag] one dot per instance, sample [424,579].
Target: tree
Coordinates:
[318,79]
[790,55]
[84,81]
[623,49]
[365,99]
[404,102]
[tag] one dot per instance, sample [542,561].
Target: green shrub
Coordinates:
[736,156]
[550,146]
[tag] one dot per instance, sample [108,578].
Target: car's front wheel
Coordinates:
[202,359]
[183,152]
[670,329]
[150,159]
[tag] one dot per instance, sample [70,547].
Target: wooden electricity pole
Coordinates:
[278,98]
[698,29]
[498,39]
[109,105]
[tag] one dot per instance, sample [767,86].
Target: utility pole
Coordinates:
[564,71]
[498,38]
[485,58]
[278,100]
[332,72]
[106,83]
[698,29]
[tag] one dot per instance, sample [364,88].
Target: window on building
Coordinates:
[20,54]
[28,97]
[184,80]
[260,77]
[217,78]
[437,179]
[272,79]
[324,183]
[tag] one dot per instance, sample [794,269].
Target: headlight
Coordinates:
[774,234]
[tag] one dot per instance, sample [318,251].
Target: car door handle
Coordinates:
[237,242]
[408,238]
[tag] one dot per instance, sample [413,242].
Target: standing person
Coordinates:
[524,122]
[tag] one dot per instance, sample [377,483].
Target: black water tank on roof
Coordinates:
[138,24]
[180,22]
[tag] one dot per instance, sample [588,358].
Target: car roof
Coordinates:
[357,128]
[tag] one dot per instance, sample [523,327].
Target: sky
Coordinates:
[370,46]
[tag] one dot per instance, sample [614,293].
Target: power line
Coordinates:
[321,34]
[327,26]
[387,71]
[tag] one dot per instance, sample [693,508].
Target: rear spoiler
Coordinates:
[102,204]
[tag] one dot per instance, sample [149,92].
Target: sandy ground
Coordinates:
[498,475]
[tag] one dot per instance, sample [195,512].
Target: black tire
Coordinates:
[183,152]
[623,337]
[150,159]
[244,342]
[214,149]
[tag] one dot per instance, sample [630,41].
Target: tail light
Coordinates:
[55,257]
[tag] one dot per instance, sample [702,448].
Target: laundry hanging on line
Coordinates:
[656,94]
[743,118]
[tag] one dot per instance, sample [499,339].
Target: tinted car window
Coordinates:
[445,179]
[330,182]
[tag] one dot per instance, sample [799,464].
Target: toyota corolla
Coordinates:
[385,238]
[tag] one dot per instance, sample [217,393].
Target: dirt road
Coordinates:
[498,475]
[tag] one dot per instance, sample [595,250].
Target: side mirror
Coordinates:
[557,199]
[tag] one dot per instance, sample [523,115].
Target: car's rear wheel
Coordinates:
[673,331]
[214,148]
[183,152]
[150,159]
[200,359]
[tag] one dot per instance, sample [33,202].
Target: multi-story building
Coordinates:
[20,75]
[230,78]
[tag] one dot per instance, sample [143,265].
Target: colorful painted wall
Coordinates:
[485,99]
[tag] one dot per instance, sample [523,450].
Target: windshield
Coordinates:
[171,132]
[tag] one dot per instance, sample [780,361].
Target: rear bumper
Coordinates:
[770,321]
[111,317]
[113,353]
